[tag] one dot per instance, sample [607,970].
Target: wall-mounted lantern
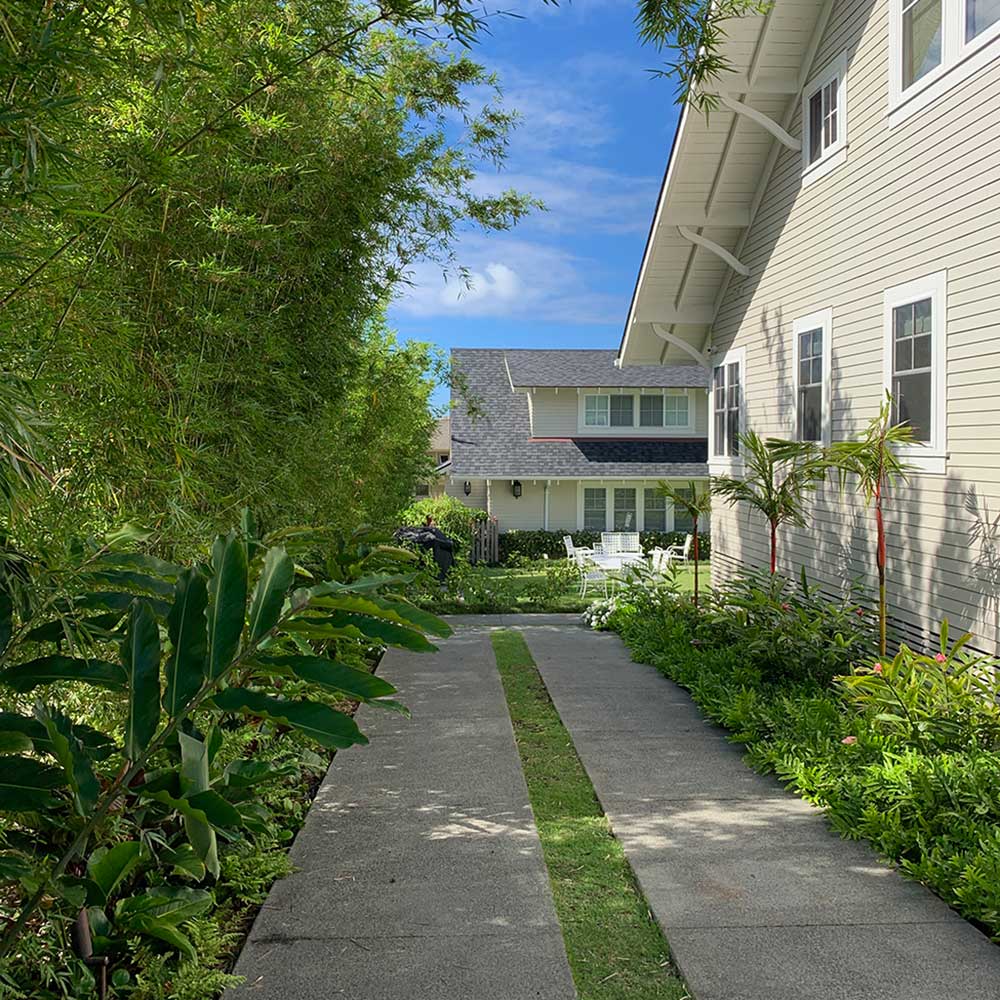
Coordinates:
[467,487]
[516,488]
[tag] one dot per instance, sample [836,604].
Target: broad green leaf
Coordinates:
[74,890]
[390,705]
[269,594]
[185,861]
[247,773]
[114,600]
[365,583]
[108,867]
[188,630]
[220,813]
[325,725]
[15,743]
[69,752]
[358,684]
[99,746]
[227,610]
[386,633]
[26,784]
[76,630]
[194,779]
[130,578]
[159,911]
[141,659]
[127,533]
[171,935]
[399,612]
[14,867]
[26,677]
[143,562]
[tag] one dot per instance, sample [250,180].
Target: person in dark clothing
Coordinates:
[431,537]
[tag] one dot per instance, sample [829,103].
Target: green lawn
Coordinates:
[615,948]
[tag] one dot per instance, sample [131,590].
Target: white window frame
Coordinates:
[727,464]
[960,59]
[667,508]
[635,408]
[581,519]
[932,456]
[636,428]
[607,409]
[679,393]
[836,153]
[822,320]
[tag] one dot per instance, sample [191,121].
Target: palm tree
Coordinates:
[873,460]
[777,477]
[695,505]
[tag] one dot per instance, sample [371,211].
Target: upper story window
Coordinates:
[676,410]
[824,120]
[650,411]
[915,366]
[727,406]
[595,411]
[934,45]
[813,355]
[621,411]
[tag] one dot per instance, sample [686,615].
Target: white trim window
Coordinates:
[728,408]
[915,366]
[935,45]
[595,410]
[625,515]
[595,508]
[654,511]
[651,411]
[813,354]
[676,410]
[622,410]
[824,121]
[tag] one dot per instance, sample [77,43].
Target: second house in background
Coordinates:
[565,440]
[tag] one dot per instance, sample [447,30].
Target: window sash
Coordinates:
[595,508]
[922,31]
[622,410]
[912,367]
[595,411]
[654,510]
[676,413]
[650,411]
[624,511]
[726,401]
[980,15]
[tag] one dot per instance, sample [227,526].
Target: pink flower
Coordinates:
[940,657]
[877,669]
[786,607]
[859,612]
[849,740]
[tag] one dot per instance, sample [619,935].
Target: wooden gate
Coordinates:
[485,541]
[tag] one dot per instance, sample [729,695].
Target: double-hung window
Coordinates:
[676,413]
[824,120]
[651,411]
[654,510]
[813,354]
[621,410]
[915,366]
[624,510]
[727,405]
[595,508]
[934,45]
[595,411]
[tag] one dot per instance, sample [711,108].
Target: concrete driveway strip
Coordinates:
[758,898]
[420,873]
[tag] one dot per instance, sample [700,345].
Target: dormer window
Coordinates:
[596,411]
[621,411]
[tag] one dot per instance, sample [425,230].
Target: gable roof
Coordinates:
[718,168]
[497,443]
[585,368]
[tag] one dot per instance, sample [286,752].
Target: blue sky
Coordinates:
[593,145]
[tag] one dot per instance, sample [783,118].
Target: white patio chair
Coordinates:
[621,543]
[571,549]
[661,558]
[590,572]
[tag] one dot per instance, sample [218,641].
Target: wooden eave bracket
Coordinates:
[671,338]
[720,251]
[738,107]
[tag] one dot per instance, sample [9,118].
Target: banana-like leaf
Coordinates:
[384,632]
[127,578]
[14,867]
[227,610]
[26,677]
[194,779]
[141,659]
[26,784]
[143,562]
[160,911]
[184,860]
[69,752]
[15,743]
[98,746]
[108,867]
[399,612]
[188,630]
[76,630]
[360,586]
[269,594]
[248,773]
[358,684]
[114,600]
[325,725]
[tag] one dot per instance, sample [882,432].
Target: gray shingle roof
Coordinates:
[597,368]
[497,444]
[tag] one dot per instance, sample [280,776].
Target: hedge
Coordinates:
[536,544]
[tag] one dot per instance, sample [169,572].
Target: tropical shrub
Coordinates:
[905,756]
[121,832]
[536,544]
[452,516]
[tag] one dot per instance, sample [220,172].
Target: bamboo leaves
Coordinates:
[141,660]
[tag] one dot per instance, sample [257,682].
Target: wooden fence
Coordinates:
[485,541]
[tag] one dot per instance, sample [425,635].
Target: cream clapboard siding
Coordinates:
[455,487]
[557,415]
[910,201]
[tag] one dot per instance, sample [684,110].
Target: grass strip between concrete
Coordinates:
[615,947]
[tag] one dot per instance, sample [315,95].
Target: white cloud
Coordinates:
[511,277]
